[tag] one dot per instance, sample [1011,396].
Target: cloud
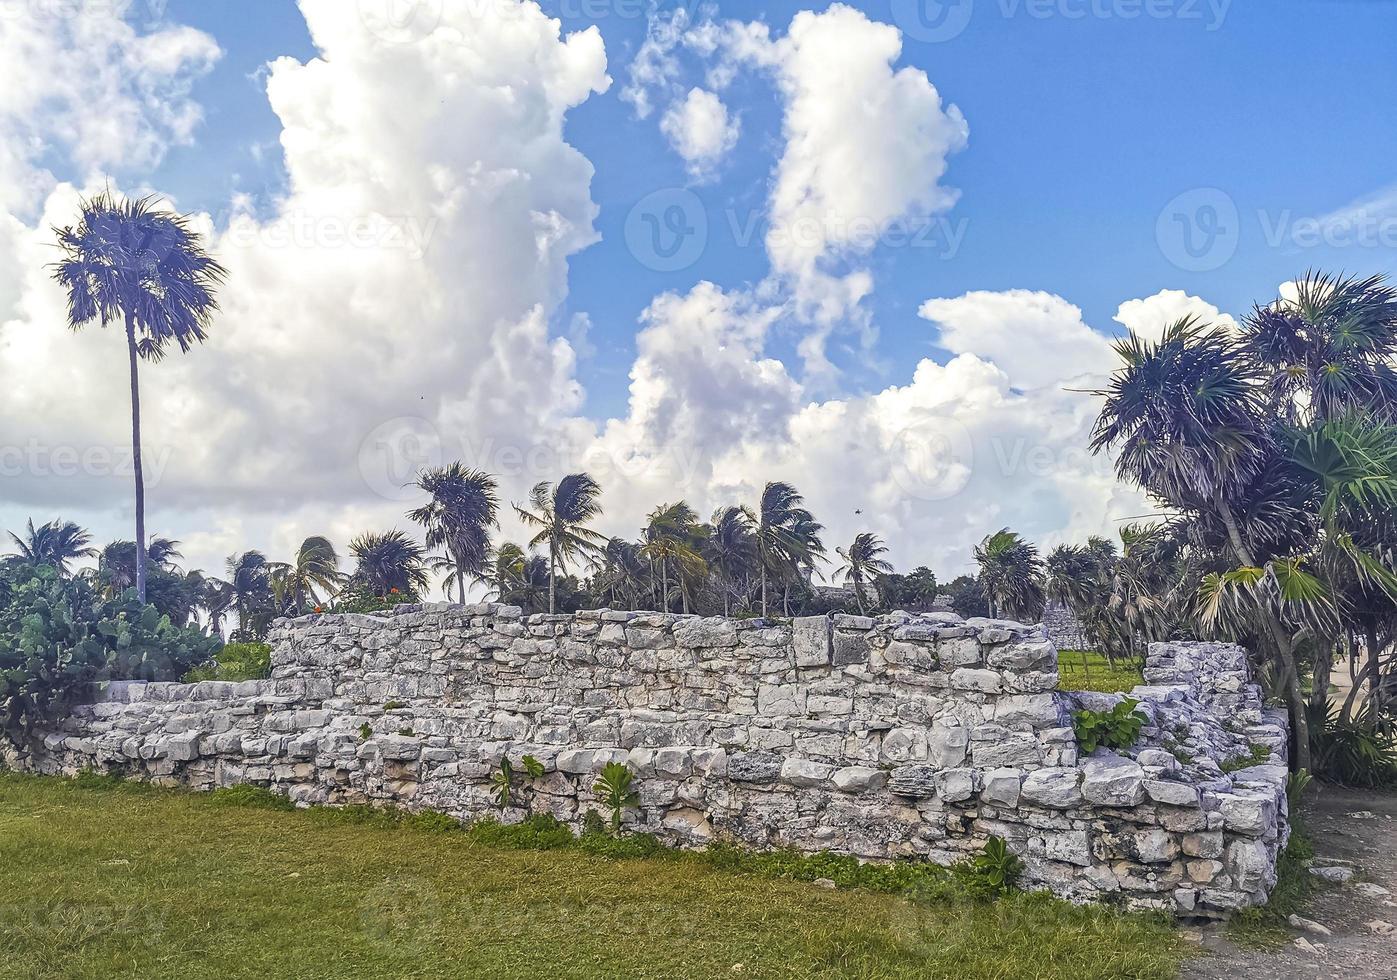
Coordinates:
[866,146]
[412,270]
[701,131]
[400,306]
[1037,338]
[1148,317]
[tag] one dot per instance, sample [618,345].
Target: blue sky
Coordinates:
[1156,157]
[1082,129]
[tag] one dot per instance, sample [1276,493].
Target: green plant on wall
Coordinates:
[1117,728]
[996,867]
[615,789]
[502,779]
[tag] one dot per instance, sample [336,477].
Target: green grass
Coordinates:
[100,878]
[1087,670]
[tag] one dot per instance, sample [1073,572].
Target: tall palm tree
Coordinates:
[787,535]
[131,263]
[316,566]
[730,549]
[672,542]
[462,509]
[863,559]
[56,543]
[389,562]
[1012,575]
[562,513]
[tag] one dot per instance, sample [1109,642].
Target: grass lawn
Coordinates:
[126,880]
[1087,670]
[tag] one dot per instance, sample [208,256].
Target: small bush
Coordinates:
[1115,729]
[996,869]
[251,797]
[1354,752]
[235,662]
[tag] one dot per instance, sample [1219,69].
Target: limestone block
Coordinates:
[859,779]
[1056,788]
[1110,780]
[1002,787]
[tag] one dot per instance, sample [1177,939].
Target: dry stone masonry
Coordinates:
[907,736]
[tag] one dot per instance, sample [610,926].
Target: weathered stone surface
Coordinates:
[903,736]
[1110,780]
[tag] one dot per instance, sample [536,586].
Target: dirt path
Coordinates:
[1355,830]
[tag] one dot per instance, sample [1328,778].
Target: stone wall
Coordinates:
[901,737]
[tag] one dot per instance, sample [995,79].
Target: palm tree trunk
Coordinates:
[552,576]
[136,461]
[763,588]
[460,576]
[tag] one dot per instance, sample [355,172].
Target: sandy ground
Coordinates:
[1357,830]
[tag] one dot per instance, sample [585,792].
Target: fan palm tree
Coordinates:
[863,560]
[56,543]
[131,263]
[562,513]
[1012,575]
[730,549]
[787,536]
[672,542]
[462,509]
[389,562]
[1328,349]
[504,569]
[316,566]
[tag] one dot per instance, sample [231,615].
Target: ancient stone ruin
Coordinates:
[907,736]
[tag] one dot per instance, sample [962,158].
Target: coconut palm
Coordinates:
[730,549]
[504,568]
[249,578]
[56,543]
[458,517]
[562,513]
[863,560]
[216,598]
[672,542]
[1012,575]
[117,561]
[316,566]
[787,536]
[389,562]
[624,575]
[134,264]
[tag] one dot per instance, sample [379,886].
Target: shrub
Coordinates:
[996,868]
[1115,729]
[615,790]
[235,662]
[355,597]
[57,635]
[1354,752]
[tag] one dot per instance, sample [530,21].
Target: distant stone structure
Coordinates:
[908,736]
[1064,628]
